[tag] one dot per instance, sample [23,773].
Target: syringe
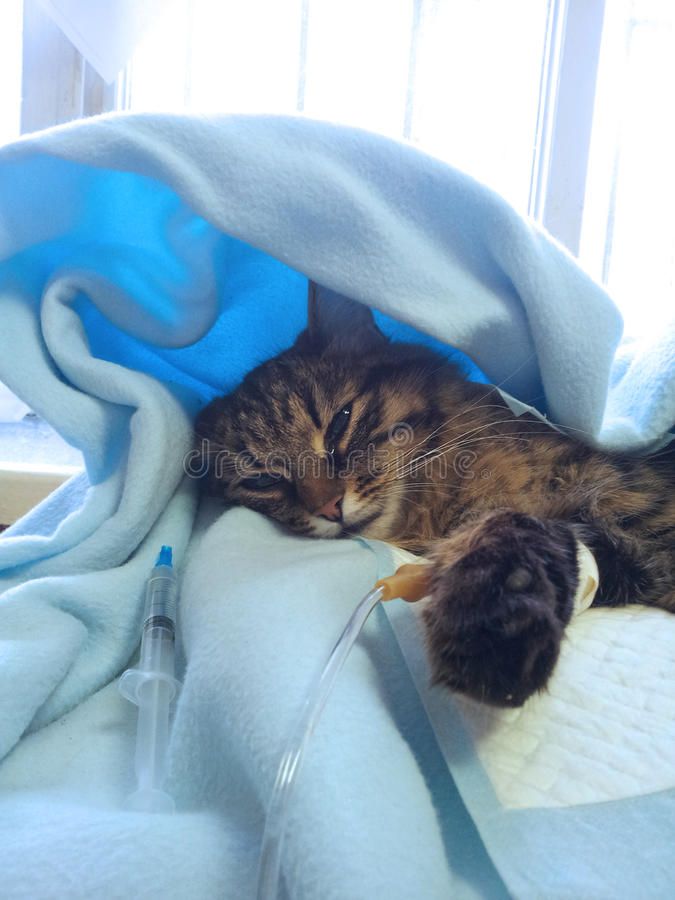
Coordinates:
[152,686]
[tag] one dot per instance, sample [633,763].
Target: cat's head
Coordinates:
[321,437]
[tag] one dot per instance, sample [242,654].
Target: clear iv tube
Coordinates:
[291,761]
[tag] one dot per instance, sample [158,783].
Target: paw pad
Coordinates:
[520,579]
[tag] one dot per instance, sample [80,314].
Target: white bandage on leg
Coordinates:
[589,579]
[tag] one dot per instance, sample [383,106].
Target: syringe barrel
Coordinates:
[159,623]
[152,686]
[161,594]
[158,654]
[152,737]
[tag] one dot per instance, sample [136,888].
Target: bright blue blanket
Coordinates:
[146,263]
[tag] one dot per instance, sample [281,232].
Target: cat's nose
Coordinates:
[331,510]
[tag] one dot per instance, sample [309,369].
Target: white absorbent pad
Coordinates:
[581,779]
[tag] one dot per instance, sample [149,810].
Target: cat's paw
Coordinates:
[502,593]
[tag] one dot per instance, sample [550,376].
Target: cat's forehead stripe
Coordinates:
[308,398]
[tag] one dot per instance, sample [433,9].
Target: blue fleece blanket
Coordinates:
[146,263]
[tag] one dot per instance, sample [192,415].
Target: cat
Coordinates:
[348,433]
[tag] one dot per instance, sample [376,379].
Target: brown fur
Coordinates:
[441,466]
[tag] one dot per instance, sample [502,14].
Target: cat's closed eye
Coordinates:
[260,481]
[337,427]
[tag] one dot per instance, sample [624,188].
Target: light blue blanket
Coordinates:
[146,263]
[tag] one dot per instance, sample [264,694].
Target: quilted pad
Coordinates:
[604,730]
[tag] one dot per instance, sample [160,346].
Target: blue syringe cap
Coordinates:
[165,557]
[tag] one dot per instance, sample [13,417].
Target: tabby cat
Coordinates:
[348,433]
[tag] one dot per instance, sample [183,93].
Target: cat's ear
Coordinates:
[338,324]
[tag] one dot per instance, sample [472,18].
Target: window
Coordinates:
[628,238]
[11,25]
[461,80]
[560,105]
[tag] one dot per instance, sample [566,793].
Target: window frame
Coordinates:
[567,102]
[57,84]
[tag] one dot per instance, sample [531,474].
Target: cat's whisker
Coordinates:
[474,407]
[430,459]
[461,446]
[476,429]
[464,440]
[448,422]
[493,387]
[408,487]
[411,502]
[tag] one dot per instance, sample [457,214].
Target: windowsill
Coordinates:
[26,477]
[23,486]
